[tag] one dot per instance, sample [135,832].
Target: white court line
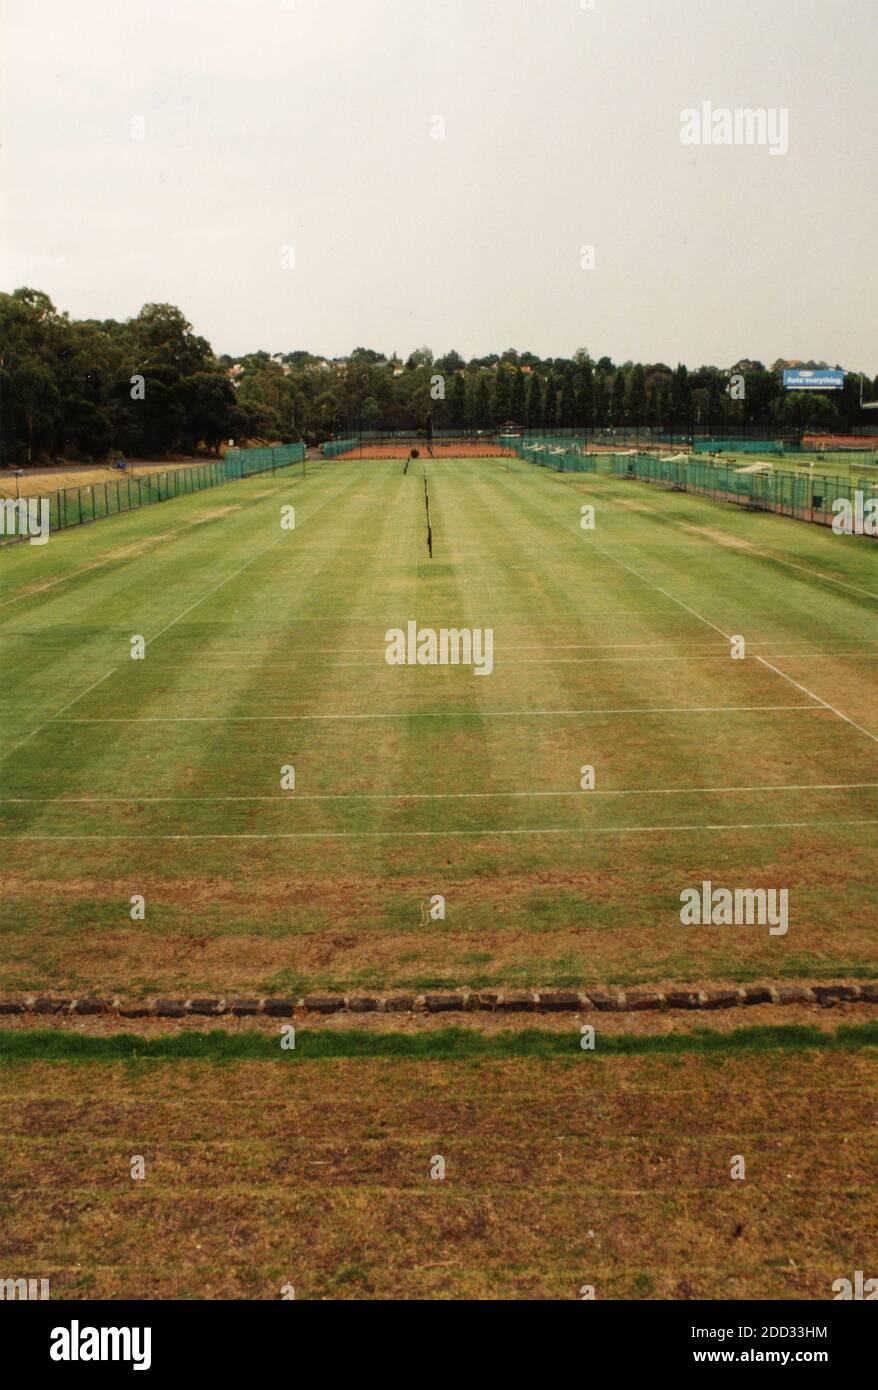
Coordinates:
[200,666]
[855,588]
[709,652]
[382,621]
[501,661]
[514,646]
[700,616]
[623,564]
[210,593]
[805,691]
[709,647]
[814,649]
[40,727]
[440,834]
[293,797]
[435,714]
[74,574]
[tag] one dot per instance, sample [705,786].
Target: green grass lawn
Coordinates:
[162,778]
[848,465]
[265,648]
[838,463]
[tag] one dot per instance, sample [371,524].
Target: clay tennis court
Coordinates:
[448,449]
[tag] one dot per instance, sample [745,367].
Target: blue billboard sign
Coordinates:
[813,379]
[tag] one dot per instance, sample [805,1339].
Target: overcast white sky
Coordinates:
[272,123]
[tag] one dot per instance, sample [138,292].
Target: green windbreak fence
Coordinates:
[463,432]
[333,447]
[806,496]
[263,460]
[743,446]
[73,506]
[651,468]
[563,458]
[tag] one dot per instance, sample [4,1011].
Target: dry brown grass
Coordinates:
[612,1172]
[39,481]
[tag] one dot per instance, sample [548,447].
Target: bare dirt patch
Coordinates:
[215,512]
[718,537]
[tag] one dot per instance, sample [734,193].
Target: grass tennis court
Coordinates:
[851,464]
[265,649]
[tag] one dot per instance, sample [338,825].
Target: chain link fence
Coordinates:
[807,496]
[73,506]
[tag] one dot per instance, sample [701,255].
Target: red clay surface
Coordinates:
[461,449]
[839,441]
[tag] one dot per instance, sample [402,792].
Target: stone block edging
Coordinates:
[635,1000]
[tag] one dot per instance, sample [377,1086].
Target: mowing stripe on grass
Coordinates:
[432,714]
[424,796]
[813,648]
[854,588]
[433,834]
[444,1044]
[258,556]
[500,662]
[210,667]
[285,535]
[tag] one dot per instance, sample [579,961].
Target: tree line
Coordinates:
[150,386]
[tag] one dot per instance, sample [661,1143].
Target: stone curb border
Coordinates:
[462,1001]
